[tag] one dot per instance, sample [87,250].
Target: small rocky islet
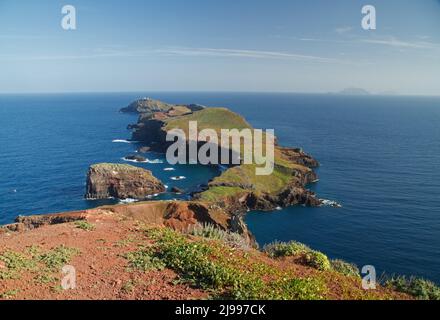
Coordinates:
[121,181]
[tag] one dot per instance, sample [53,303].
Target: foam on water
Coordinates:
[122,141]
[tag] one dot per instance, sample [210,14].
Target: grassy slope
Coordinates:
[244,175]
[210,118]
[214,263]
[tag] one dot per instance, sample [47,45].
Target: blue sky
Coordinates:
[227,45]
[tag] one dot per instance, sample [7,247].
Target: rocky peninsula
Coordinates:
[238,189]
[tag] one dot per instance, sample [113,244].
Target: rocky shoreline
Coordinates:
[223,201]
[222,197]
[156,117]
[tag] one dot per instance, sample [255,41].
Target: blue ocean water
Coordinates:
[380,158]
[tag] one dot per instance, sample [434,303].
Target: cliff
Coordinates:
[148,105]
[125,252]
[238,189]
[121,181]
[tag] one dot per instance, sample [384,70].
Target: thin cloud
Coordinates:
[177,51]
[394,42]
[240,53]
[383,41]
[343,30]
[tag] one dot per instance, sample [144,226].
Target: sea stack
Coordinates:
[121,181]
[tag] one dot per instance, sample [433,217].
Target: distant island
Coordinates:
[354,92]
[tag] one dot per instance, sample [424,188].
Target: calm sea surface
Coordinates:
[380,159]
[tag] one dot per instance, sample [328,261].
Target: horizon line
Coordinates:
[218,91]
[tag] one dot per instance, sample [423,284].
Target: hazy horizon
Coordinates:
[143,92]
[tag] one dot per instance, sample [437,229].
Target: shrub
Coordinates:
[210,231]
[317,260]
[84,225]
[35,261]
[310,257]
[215,267]
[345,268]
[9,294]
[283,249]
[419,288]
[144,260]
[56,258]
[14,263]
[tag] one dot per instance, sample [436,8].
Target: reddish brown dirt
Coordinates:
[101,271]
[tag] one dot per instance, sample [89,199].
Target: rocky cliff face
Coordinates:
[121,181]
[237,189]
[148,105]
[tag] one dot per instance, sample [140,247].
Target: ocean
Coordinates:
[379,158]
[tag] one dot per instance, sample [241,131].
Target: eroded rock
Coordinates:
[121,181]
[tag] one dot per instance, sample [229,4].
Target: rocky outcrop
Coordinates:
[121,181]
[181,215]
[135,157]
[149,106]
[178,215]
[146,105]
[144,149]
[177,190]
[298,156]
[24,223]
[237,188]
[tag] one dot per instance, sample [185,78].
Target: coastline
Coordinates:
[178,219]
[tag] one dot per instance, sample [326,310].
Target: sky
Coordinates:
[220,45]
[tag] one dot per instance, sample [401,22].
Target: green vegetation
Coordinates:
[36,261]
[210,231]
[9,294]
[84,225]
[210,118]
[317,260]
[44,278]
[307,256]
[212,265]
[129,240]
[242,179]
[216,193]
[419,288]
[282,249]
[129,286]
[345,268]
[15,263]
[112,166]
[56,258]
[144,260]
[245,176]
